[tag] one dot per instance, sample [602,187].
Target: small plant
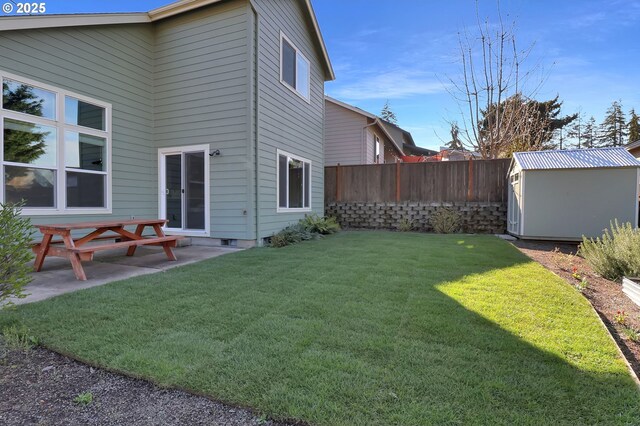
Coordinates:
[16,234]
[85,398]
[630,334]
[575,274]
[19,337]
[445,220]
[616,253]
[405,225]
[621,317]
[582,285]
[562,260]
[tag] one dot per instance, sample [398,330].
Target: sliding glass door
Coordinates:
[184,189]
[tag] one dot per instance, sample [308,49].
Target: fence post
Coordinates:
[338,182]
[470,184]
[397,181]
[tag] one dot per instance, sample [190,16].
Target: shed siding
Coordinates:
[202,97]
[113,64]
[566,204]
[343,135]
[285,120]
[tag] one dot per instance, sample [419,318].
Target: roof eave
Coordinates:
[350,107]
[10,23]
[178,7]
[330,74]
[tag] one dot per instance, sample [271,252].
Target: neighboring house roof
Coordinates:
[376,120]
[406,140]
[632,145]
[575,159]
[351,107]
[14,22]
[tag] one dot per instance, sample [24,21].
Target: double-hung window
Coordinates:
[54,149]
[294,183]
[295,68]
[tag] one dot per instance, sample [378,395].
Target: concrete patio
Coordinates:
[57,276]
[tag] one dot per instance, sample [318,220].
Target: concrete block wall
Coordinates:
[477,217]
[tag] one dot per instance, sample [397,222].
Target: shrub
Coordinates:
[616,253]
[445,220]
[309,228]
[405,225]
[320,225]
[291,235]
[16,234]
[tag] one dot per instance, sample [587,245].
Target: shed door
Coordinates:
[513,220]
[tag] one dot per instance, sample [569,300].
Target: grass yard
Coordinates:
[359,328]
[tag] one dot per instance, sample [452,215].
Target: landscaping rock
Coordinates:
[27,396]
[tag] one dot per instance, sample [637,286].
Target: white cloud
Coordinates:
[390,85]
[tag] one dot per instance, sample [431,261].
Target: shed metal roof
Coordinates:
[576,159]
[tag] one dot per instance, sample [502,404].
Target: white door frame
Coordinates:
[162,202]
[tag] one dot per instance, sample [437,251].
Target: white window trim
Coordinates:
[298,52]
[377,147]
[162,201]
[279,209]
[60,168]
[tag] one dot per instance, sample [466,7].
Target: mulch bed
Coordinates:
[38,386]
[606,296]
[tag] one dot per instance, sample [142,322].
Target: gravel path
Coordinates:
[37,387]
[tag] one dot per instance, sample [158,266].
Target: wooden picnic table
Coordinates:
[77,250]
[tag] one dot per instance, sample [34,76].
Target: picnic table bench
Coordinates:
[77,250]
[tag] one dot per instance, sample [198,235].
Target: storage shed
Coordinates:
[565,194]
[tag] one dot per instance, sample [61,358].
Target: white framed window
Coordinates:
[293,183]
[295,69]
[376,150]
[55,149]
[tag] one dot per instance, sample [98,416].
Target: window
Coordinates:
[294,68]
[294,183]
[376,148]
[54,149]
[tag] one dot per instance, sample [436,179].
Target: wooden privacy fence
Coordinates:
[447,181]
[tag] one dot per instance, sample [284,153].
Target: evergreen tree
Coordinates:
[590,133]
[634,127]
[576,130]
[613,129]
[387,114]
[529,125]
[455,142]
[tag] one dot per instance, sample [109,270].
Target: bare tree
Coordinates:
[498,117]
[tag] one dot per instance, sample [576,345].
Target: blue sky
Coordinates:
[406,50]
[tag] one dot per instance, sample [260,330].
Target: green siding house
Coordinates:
[207,113]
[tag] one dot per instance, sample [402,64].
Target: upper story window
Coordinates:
[295,68]
[54,149]
[294,183]
[376,153]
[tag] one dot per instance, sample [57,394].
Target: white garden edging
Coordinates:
[631,287]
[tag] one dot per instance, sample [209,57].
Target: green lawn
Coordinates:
[358,328]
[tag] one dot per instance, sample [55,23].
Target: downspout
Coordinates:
[255,121]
